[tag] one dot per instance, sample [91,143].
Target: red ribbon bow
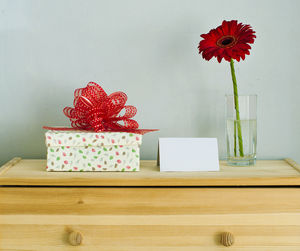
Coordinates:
[95,110]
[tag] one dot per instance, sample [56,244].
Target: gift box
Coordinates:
[103,134]
[92,151]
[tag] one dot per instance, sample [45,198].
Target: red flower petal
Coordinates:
[229,40]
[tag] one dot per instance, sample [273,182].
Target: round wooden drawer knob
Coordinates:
[75,238]
[227,239]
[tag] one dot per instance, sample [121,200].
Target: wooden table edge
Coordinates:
[285,181]
[175,182]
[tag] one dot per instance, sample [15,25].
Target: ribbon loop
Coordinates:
[95,110]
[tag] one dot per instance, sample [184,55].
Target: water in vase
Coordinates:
[241,152]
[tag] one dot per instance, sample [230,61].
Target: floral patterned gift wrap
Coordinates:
[92,151]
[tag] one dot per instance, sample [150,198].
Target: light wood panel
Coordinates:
[264,173]
[140,216]
[143,201]
[190,248]
[144,220]
[159,237]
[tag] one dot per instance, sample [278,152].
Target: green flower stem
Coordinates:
[234,122]
[237,109]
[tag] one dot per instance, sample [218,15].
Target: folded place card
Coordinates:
[188,154]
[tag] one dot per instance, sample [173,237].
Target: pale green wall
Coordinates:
[147,49]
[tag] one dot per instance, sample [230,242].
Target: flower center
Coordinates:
[226,41]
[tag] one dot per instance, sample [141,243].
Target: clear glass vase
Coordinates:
[241,132]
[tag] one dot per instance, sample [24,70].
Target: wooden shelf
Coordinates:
[31,172]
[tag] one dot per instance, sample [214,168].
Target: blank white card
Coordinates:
[188,154]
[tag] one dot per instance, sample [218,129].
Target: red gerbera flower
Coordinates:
[229,41]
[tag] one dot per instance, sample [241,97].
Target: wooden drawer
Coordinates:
[148,237]
[146,201]
[149,218]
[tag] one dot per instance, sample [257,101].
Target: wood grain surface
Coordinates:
[160,237]
[146,201]
[264,173]
[150,210]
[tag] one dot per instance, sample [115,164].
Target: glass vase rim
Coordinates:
[243,95]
